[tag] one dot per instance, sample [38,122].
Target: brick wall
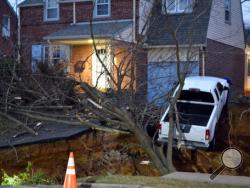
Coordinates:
[82,53]
[34,28]
[7,45]
[120,9]
[122,56]
[226,61]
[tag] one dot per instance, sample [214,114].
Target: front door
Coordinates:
[99,73]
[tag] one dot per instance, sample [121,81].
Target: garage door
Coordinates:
[162,78]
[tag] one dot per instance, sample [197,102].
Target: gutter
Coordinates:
[74,12]
[41,4]
[134,21]
[31,5]
[76,37]
[172,46]
[203,60]
[18,35]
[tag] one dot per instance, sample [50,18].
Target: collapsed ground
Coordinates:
[99,153]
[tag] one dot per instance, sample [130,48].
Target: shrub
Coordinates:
[28,177]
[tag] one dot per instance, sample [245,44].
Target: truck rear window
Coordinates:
[199,96]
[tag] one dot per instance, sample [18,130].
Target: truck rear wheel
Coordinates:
[155,139]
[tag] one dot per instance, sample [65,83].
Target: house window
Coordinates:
[52,54]
[102,8]
[52,10]
[6,26]
[179,6]
[55,54]
[220,87]
[228,11]
[100,76]
[217,95]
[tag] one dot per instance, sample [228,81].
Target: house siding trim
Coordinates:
[229,34]
[173,46]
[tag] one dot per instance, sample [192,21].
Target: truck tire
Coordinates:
[212,145]
[155,139]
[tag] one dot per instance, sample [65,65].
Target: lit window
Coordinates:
[56,55]
[248,62]
[52,10]
[102,8]
[228,11]
[51,54]
[179,6]
[6,26]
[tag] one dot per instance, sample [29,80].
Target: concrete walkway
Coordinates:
[200,177]
[82,185]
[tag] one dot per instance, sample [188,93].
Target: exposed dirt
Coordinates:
[231,132]
[102,154]
[95,154]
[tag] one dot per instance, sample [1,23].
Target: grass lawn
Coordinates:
[151,182]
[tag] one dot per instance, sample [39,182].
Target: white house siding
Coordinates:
[162,74]
[145,7]
[169,54]
[220,31]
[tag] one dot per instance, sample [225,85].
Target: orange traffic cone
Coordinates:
[70,178]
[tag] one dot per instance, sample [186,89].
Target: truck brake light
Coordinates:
[158,125]
[207,135]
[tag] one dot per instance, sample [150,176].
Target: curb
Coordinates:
[99,185]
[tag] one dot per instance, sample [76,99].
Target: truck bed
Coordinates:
[193,114]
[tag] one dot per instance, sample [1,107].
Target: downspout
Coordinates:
[74,12]
[134,21]
[246,83]
[18,35]
[203,61]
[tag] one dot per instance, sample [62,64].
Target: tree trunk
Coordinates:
[170,138]
[147,145]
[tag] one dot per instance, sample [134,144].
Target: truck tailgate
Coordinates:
[193,119]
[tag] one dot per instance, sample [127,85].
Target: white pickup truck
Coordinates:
[199,108]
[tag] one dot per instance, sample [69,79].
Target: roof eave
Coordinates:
[173,46]
[41,4]
[75,37]
[30,5]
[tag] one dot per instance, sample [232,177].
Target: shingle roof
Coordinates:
[11,7]
[100,29]
[191,27]
[36,2]
[30,2]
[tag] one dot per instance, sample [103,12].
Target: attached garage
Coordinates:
[162,71]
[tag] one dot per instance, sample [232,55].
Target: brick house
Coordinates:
[60,30]
[8,24]
[210,35]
